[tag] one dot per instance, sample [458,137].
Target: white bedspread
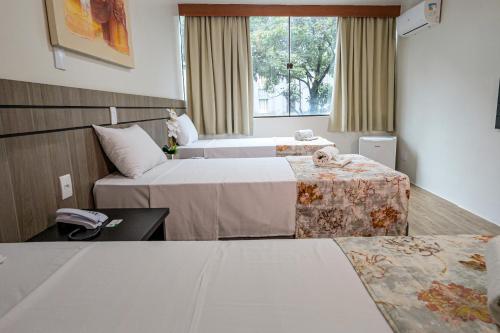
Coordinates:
[242,148]
[278,286]
[212,198]
[230,148]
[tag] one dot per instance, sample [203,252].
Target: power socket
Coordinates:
[66,186]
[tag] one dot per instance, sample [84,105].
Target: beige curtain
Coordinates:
[219,74]
[363,97]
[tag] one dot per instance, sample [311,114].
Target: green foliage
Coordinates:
[313,42]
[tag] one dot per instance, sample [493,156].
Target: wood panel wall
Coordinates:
[45,133]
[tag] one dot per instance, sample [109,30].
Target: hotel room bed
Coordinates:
[403,284]
[261,197]
[211,198]
[251,147]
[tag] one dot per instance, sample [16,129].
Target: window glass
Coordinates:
[270,53]
[293,60]
[312,53]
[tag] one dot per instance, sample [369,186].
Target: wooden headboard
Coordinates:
[45,133]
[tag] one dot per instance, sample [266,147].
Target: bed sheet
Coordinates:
[251,147]
[211,198]
[220,287]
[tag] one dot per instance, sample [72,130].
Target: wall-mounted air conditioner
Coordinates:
[424,15]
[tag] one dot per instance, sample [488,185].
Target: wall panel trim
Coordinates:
[46,132]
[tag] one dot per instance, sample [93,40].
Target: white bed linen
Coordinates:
[212,198]
[242,148]
[221,287]
[229,148]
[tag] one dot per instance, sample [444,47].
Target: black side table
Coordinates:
[139,224]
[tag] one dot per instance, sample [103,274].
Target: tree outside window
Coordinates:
[293,59]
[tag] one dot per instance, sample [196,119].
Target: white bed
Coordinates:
[251,147]
[252,197]
[244,286]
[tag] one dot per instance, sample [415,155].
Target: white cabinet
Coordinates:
[379,148]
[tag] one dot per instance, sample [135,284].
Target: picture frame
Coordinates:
[99,28]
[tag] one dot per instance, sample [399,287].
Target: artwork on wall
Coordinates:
[100,28]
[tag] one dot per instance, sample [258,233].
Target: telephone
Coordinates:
[84,218]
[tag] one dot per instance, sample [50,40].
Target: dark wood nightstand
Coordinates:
[139,224]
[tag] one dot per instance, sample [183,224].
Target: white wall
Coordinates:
[286,126]
[25,51]
[447,95]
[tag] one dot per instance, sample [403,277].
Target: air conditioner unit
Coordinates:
[424,15]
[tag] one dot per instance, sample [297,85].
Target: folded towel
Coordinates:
[304,135]
[493,273]
[2,259]
[341,162]
[326,155]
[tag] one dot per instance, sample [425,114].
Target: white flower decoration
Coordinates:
[172,125]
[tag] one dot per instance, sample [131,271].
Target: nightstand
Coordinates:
[139,224]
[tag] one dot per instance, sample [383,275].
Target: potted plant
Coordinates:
[172,131]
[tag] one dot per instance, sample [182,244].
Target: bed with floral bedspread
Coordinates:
[290,147]
[364,198]
[431,284]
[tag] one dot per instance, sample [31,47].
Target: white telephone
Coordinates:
[84,218]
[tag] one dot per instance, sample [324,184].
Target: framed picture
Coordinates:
[100,28]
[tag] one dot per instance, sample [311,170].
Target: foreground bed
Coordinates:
[251,147]
[261,197]
[245,286]
[425,284]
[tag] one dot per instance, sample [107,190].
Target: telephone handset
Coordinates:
[84,218]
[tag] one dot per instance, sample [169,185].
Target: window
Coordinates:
[293,59]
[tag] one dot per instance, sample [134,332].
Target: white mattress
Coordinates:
[243,286]
[211,198]
[240,148]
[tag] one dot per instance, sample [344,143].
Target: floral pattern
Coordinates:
[455,302]
[291,147]
[364,198]
[406,279]
[476,262]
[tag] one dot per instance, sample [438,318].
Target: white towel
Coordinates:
[493,273]
[2,259]
[329,156]
[304,135]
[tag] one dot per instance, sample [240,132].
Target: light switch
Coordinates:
[113,115]
[59,56]
[66,186]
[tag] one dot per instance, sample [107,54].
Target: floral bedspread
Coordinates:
[289,147]
[364,198]
[425,283]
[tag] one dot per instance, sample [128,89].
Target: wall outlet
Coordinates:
[66,186]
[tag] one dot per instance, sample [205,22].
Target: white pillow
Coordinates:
[187,132]
[131,149]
